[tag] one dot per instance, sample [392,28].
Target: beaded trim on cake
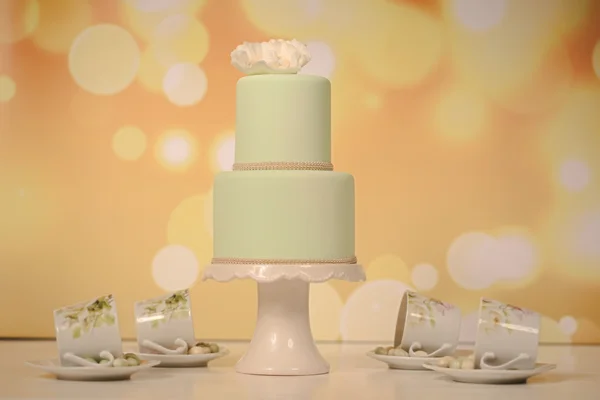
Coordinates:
[246,261]
[299,166]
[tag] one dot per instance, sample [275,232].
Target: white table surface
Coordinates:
[353,376]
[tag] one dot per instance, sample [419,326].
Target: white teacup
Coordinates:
[88,330]
[428,325]
[507,336]
[164,324]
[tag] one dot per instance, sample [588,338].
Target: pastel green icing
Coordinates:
[284,215]
[283,118]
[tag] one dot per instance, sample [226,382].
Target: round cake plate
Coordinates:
[282,343]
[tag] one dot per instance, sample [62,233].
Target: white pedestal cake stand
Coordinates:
[282,343]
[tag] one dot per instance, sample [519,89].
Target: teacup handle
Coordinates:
[416,346]
[106,355]
[182,349]
[491,356]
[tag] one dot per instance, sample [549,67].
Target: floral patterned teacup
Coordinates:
[507,336]
[164,324]
[427,327]
[87,329]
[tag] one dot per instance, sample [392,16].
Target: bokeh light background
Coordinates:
[472,129]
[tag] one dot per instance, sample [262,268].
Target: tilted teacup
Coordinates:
[164,324]
[88,329]
[507,336]
[428,325]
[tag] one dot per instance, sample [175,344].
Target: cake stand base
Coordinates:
[282,343]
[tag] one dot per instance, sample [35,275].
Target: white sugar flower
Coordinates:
[272,57]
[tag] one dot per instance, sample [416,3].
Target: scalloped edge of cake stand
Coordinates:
[266,273]
[282,343]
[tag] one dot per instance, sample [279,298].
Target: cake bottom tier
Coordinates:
[283,216]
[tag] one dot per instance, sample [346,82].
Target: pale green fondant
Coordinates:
[284,215]
[283,118]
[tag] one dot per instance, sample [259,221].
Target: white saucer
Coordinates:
[490,376]
[183,360]
[403,362]
[89,373]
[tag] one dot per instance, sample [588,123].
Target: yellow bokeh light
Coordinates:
[517,63]
[18,19]
[424,276]
[460,115]
[8,88]
[587,332]
[546,90]
[568,325]
[144,16]
[342,24]
[468,260]
[397,33]
[158,5]
[151,73]
[129,143]
[176,149]
[570,143]
[596,59]
[222,155]
[322,61]
[60,22]
[477,260]
[185,84]
[478,15]
[180,38]
[491,73]
[574,175]
[175,267]
[325,311]
[585,237]
[373,101]
[569,14]
[346,95]
[551,332]
[283,17]
[517,259]
[187,227]
[104,59]
[388,266]
[573,131]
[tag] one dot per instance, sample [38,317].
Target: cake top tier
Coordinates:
[276,56]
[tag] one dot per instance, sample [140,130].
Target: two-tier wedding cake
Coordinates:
[282,203]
